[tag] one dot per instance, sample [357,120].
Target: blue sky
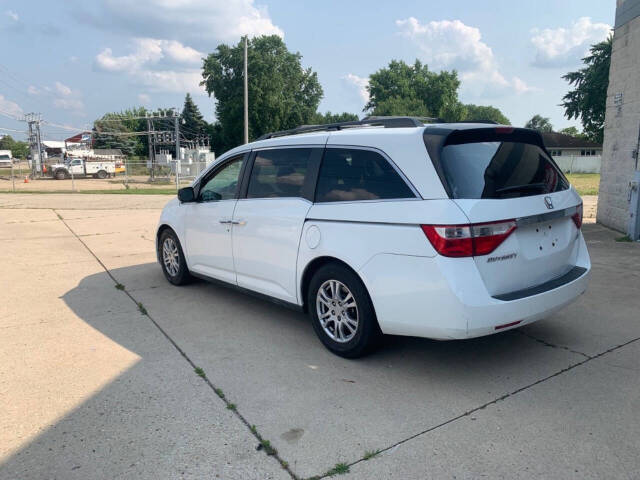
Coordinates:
[73,61]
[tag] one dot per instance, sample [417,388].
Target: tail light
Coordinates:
[468,240]
[577,217]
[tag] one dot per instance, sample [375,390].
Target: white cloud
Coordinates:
[12,15]
[148,51]
[144,99]
[360,83]
[33,90]
[557,47]
[162,65]
[451,44]
[9,107]
[201,22]
[62,89]
[73,104]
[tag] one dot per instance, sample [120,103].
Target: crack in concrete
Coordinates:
[548,344]
[252,430]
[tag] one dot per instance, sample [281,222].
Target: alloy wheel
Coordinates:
[337,311]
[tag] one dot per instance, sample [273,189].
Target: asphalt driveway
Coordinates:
[153,381]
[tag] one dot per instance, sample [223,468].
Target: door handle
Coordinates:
[238,222]
[225,221]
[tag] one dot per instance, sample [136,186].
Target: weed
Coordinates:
[370,454]
[339,469]
[200,372]
[231,406]
[142,309]
[266,445]
[219,392]
[253,429]
[624,238]
[119,286]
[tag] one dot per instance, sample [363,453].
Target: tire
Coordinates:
[177,273]
[102,174]
[60,175]
[350,339]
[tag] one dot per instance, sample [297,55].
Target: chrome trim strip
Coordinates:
[545,217]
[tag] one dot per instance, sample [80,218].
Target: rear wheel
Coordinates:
[172,259]
[341,312]
[60,175]
[102,174]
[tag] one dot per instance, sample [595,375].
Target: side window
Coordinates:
[353,174]
[279,173]
[223,184]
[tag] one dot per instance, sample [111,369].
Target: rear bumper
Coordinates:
[444,298]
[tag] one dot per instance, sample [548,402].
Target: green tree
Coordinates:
[19,149]
[403,89]
[282,94]
[118,130]
[481,112]
[587,101]
[573,131]
[193,125]
[320,118]
[540,123]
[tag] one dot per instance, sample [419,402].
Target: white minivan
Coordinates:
[386,225]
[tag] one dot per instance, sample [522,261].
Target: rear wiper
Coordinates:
[528,186]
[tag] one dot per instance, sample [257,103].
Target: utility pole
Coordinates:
[151,149]
[246,92]
[33,121]
[176,121]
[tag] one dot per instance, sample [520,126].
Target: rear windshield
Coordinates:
[498,169]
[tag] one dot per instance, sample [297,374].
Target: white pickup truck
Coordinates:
[81,168]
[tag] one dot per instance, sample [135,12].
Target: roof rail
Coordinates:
[387,122]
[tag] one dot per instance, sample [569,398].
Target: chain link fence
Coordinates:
[130,176]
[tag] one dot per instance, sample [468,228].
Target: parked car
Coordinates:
[81,168]
[386,226]
[6,159]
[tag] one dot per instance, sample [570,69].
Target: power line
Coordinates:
[12,130]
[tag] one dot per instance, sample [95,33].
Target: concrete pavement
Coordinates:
[91,388]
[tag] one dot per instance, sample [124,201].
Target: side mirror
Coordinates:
[186,195]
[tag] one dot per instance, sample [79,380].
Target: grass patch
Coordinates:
[219,392]
[339,469]
[119,286]
[370,454]
[141,309]
[253,429]
[624,238]
[266,446]
[585,183]
[231,406]
[130,191]
[200,372]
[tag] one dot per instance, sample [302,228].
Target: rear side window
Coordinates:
[497,168]
[279,173]
[353,174]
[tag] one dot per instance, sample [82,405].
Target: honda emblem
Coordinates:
[548,202]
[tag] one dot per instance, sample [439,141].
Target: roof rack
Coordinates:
[370,121]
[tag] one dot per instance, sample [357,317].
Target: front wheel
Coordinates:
[172,259]
[341,312]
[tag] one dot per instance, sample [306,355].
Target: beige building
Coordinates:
[622,119]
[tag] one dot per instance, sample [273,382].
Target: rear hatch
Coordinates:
[504,174]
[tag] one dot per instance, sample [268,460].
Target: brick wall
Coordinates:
[622,126]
